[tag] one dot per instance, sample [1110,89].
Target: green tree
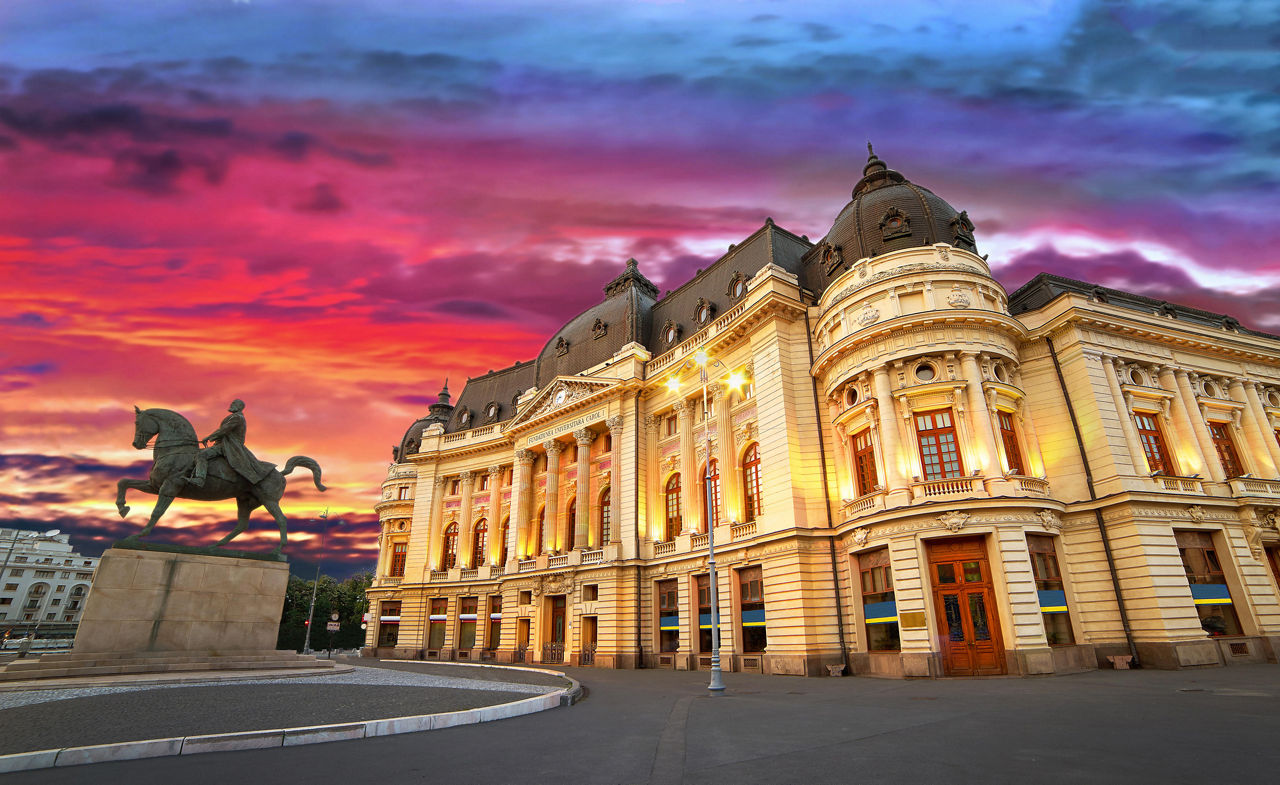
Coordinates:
[346,598]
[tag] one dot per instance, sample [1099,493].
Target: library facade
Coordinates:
[898,468]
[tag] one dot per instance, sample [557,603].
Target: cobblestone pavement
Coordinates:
[47,719]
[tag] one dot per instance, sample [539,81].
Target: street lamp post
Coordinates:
[703,361]
[315,585]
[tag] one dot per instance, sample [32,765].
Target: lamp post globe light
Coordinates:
[704,362]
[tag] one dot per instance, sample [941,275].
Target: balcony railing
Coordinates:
[527,565]
[865,502]
[469,575]
[664,548]
[1251,486]
[438,575]
[698,541]
[1032,485]
[593,557]
[948,487]
[558,561]
[741,531]
[1182,484]
[390,580]
[497,571]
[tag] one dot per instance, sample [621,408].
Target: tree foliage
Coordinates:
[347,599]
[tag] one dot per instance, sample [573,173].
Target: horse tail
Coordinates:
[306,463]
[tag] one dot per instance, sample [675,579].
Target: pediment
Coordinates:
[563,394]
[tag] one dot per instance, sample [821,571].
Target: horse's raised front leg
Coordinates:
[126,484]
[273,507]
[245,505]
[164,498]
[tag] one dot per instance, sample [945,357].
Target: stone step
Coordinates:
[42,664]
[80,655]
[55,672]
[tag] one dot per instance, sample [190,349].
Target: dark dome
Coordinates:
[412,440]
[889,213]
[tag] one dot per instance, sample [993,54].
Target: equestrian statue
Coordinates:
[224,470]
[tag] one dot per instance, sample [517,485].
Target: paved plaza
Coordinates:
[661,727]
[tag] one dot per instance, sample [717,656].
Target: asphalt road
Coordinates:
[661,727]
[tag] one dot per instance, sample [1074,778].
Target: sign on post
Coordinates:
[332,626]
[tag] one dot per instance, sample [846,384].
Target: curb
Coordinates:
[175,677]
[283,737]
[568,696]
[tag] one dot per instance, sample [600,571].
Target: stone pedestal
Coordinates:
[155,601]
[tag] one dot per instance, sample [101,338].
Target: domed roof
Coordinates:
[412,440]
[889,213]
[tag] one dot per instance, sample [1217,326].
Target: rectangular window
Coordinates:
[435,623]
[879,607]
[16,573]
[399,551]
[1010,439]
[703,586]
[11,587]
[19,559]
[1053,599]
[1153,443]
[671,425]
[1220,433]
[608,442]
[6,600]
[44,573]
[1208,583]
[467,622]
[590,592]
[751,609]
[484,482]
[939,454]
[495,623]
[864,462]
[402,492]
[455,486]
[668,616]
[388,623]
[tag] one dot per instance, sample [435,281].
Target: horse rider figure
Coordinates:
[228,442]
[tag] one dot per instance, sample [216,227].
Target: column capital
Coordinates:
[614,423]
[683,409]
[651,422]
[495,470]
[553,447]
[583,436]
[466,476]
[525,457]
[438,482]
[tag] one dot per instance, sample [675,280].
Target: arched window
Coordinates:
[480,542]
[572,513]
[673,508]
[450,546]
[714,483]
[606,514]
[751,506]
[502,545]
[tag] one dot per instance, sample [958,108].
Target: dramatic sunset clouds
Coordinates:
[325,208]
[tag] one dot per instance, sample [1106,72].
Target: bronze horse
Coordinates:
[175,454]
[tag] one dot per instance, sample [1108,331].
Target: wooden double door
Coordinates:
[964,601]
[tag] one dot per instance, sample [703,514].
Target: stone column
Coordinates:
[615,489]
[521,483]
[1264,425]
[983,425]
[844,471]
[582,512]
[895,482]
[1184,450]
[551,515]
[435,546]
[464,530]
[652,424]
[725,451]
[495,515]
[689,516]
[1111,369]
[1035,458]
[1259,437]
[1198,426]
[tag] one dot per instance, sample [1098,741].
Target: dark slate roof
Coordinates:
[886,213]
[597,333]
[497,387]
[1045,288]
[770,244]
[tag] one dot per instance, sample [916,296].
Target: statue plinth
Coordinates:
[165,601]
[207,550]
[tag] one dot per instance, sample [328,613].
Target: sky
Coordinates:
[328,208]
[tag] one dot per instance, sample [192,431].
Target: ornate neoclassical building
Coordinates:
[907,471]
